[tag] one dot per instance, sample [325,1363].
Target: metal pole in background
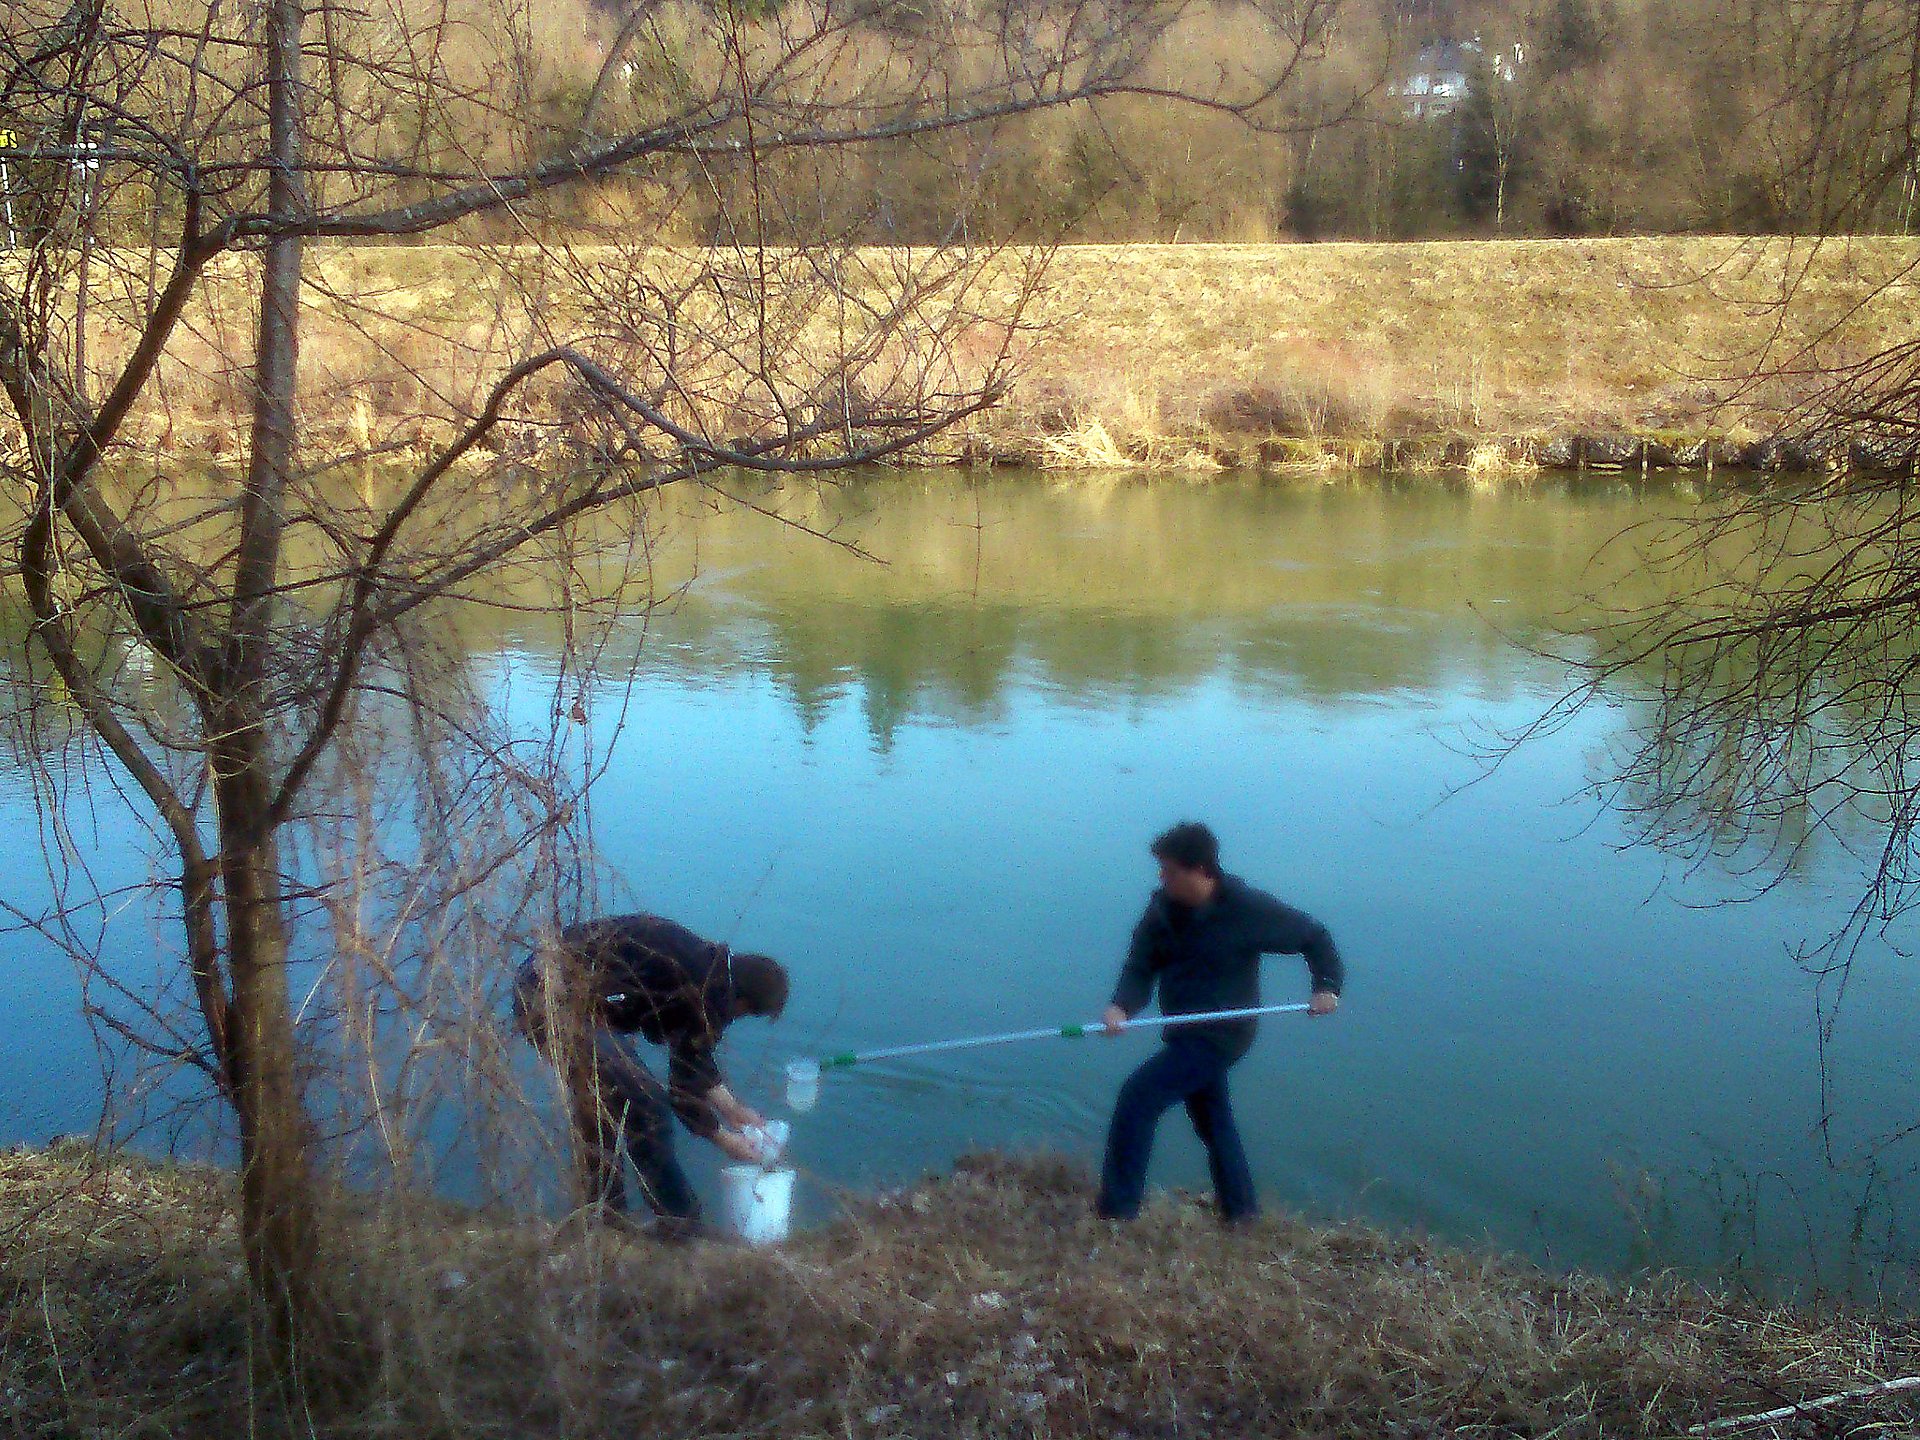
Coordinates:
[7,142]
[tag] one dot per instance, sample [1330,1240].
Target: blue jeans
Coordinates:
[617,1105]
[624,1107]
[1187,1070]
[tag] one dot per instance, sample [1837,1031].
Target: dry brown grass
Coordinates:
[983,1303]
[1222,349]
[1191,356]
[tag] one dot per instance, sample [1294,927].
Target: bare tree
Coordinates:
[191,184]
[1778,677]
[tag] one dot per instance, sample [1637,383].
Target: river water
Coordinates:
[927,781]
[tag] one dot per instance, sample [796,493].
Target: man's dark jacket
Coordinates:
[645,974]
[1207,957]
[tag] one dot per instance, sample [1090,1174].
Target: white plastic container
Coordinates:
[758,1203]
[769,1140]
[803,1084]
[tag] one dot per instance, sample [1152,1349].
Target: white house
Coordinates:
[1440,79]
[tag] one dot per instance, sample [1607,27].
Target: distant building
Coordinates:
[1440,79]
[1437,85]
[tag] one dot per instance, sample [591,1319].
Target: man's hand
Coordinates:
[1114,1019]
[730,1110]
[1324,1002]
[736,1146]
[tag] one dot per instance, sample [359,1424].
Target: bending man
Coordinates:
[1200,942]
[612,977]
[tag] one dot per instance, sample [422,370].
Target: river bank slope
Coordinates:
[1591,353]
[1629,354]
[986,1302]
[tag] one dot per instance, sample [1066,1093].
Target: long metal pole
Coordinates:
[1068,1032]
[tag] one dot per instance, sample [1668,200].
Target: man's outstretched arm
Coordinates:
[1288,931]
[704,1104]
[1135,986]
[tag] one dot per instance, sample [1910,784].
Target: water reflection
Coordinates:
[1126,589]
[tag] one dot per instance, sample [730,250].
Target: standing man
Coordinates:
[1200,941]
[609,978]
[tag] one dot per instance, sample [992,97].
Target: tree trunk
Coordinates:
[276,1180]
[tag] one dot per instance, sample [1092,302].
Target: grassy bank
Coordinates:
[1618,353]
[982,1303]
[1608,353]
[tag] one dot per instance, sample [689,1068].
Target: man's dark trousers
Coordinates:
[617,1105]
[1186,1069]
[625,1107]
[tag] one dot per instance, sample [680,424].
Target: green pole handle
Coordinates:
[840,1061]
[1072,1032]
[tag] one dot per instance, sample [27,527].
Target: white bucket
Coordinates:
[803,1084]
[758,1203]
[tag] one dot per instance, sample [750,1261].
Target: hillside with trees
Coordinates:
[1406,119]
[1415,119]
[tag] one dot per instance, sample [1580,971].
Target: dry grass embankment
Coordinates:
[983,1303]
[1611,351]
[1631,353]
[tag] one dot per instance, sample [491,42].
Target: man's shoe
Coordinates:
[621,1223]
[682,1230]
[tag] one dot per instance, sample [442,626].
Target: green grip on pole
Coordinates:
[840,1061]
[1072,1032]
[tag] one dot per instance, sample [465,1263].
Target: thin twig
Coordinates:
[1789,1412]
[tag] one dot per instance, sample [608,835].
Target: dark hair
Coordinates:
[1191,846]
[759,985]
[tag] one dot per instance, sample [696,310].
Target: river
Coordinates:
[927,780]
